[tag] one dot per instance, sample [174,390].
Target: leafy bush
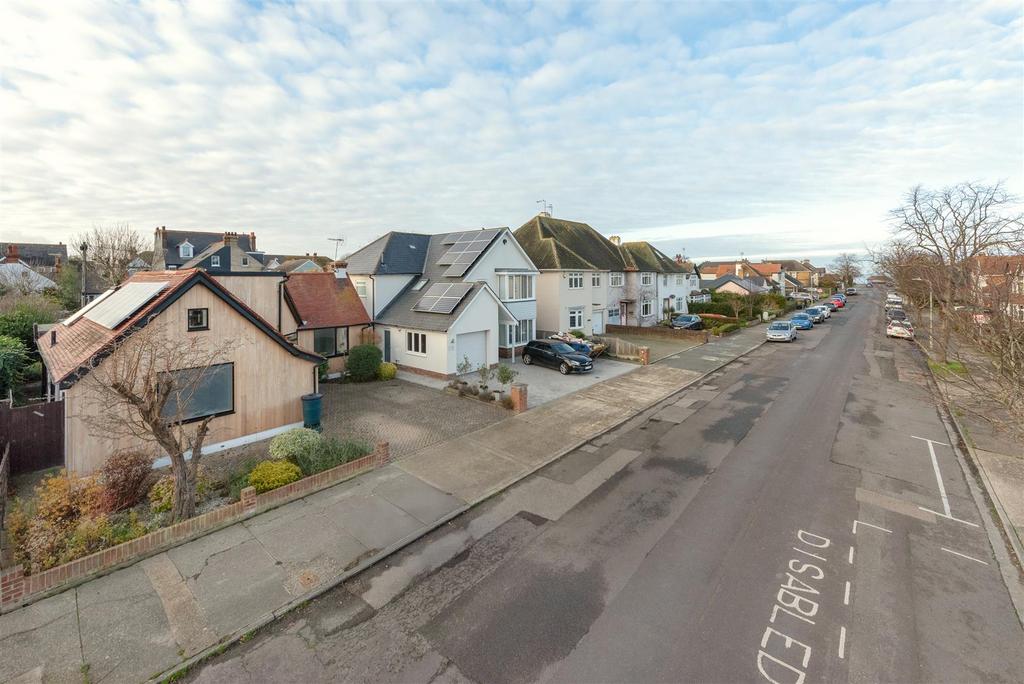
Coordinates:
[13,360]
[126,478]
[33,372]
[364,362]
[331,452]
[239,479]
[161,494]
[62,501]
[269,475]
[294,444]
[578,334]
[506,374]
[19,313]
[727,328]
[387,371]
[721,308]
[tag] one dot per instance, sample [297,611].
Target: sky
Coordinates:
[708,128]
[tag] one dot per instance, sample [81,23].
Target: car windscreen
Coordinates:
[562,348]
[779,326]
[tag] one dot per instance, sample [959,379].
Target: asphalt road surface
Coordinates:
[798,517]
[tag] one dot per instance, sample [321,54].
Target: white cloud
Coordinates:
[321,119]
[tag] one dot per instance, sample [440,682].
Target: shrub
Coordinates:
[506,374]
[269,475]
[331,452]
[62,502]
[294,444]
[364,362]
[239,479]
[578,334]
[727,328]
[508,403]
[714,307]
[161,494]
[484,372]
[387,371]
[13,360]
[126,478]
[33,372]
[18,313]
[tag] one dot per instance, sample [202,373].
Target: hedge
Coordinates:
[710,307]
[364,362]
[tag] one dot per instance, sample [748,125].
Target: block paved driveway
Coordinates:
[409,416]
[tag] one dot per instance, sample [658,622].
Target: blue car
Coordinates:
[802,321]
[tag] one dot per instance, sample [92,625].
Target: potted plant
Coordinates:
[462,368]
[484,372]
[506,375]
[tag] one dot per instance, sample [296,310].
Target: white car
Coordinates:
[781,331]
[901,329]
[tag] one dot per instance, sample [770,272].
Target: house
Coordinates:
[582,281]
[17,275]
[661,285]
[43,258]
[325,316]
[213,251]
[254,392]
[801,274]
[142,262]
[310,263]
[437,300]
[737,285]
[998,281]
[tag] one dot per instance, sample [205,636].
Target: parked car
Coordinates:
[824,308]
[901,329]
[896,315]
[800,296]
[851,291]
[802,321]
[840,295]
[781,331]
[558,355]
[687,322]
[840,303]
[816,314]
[828,305]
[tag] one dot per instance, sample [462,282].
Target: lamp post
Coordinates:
[931,337]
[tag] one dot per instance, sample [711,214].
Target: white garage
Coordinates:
[472,346]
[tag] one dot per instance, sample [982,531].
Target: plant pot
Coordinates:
[498,395]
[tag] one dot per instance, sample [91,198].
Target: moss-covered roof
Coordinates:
[643,256]
[557,244]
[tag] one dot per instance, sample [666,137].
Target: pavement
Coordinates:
[149,618]
[796,516]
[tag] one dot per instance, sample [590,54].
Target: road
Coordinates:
[797,517]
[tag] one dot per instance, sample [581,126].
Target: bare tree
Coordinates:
[847,267]
[110,249]
[145,387]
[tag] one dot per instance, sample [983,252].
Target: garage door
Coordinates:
[472,346]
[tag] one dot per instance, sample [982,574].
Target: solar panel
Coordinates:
[125,301]
[465,248]
[443,297]
[88,307]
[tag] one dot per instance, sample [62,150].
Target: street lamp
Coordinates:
[931,337]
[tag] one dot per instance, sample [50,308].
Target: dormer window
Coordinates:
[215,261]
[185,250]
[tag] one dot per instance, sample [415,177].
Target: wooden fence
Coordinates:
[36,434]
[620,348]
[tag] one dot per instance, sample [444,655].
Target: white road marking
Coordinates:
[842,642]
[942,487]
[963,555]
[861,522]
[849,556]
[813,555]
[846,594]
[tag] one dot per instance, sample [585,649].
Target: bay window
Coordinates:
[513,288]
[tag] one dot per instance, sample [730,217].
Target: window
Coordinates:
[416,343]
[615,280]
[575,318]
[185,250]
[519,334]
[245,261]
[361,288]
[515,287]
[575,281]
[679,301]
[613,313]
[646,278]
[215,261]
[645,307]
[201,392]
[595,280]
[330,341]
[198,319]
[680,279]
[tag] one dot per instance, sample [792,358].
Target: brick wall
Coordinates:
[18,589]
[657,331]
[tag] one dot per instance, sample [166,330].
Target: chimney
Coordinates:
[739,269]
[230,239]
[12,254]
[615,240]
[252,241]
[53,338]
[679,259]
[545,214]
[56,263]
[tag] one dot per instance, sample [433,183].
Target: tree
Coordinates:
[144,388]
[847,267]
[110,249]
[13,359]
[19,314]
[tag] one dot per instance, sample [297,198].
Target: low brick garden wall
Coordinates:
[657,331]
[18,589]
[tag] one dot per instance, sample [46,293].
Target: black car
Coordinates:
[687,322]
[896,315]
[557,354]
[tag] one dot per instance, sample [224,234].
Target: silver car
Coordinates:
[781,331]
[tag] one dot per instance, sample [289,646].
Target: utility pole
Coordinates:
[84,248]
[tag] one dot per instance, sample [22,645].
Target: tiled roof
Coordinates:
[643,256]
[998,265]
[38,253]
[199,240]
[322,300]
[77,344]
[557,244]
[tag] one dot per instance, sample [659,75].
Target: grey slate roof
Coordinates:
[391,254]
[400,313]
[199,240]
[748,284]
[38,254]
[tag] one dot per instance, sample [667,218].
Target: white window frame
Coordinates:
[575,280]
[185,250]
[516,287]
[616,279]
[678,303]
[215,261]
[520,333]
[595,280]
[680,279]
[576,312]
[416,343]
[361,288]
[245,261]
[646,308]
[646,278]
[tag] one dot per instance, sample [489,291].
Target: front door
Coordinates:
[598,320]
[387,345]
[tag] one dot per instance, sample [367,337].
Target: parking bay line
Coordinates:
[963,555]
[938,479]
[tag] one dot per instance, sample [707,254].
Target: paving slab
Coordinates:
[45,631]
[467,477]
[417,498]
[373,520]
[298,542]
[191,558]
[125,633]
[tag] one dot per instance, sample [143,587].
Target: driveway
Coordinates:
[408,415]
[660,347]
